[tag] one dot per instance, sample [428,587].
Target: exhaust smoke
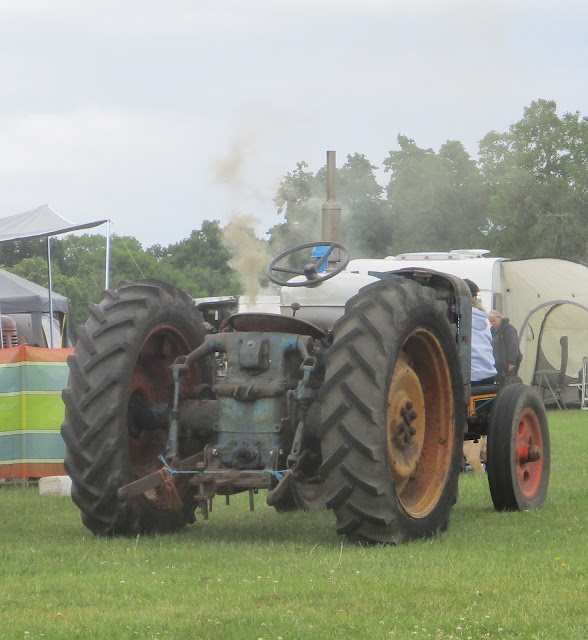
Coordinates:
[250,256]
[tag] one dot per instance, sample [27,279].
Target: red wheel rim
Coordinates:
[529,454]
[152,379]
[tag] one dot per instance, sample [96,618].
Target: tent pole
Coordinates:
[50,293]
[107,278]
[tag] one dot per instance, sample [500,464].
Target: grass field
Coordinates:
[246,575]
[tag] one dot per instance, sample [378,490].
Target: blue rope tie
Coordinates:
[482,405]
[173,472]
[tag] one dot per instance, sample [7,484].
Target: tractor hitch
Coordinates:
[208,477]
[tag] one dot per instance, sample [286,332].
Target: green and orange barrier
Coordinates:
[31,411]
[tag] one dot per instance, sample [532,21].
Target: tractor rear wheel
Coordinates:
[519,453]
[392,415]
[117,398]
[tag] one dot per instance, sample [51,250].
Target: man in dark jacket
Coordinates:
[505,342]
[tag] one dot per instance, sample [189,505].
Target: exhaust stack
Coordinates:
[331,209]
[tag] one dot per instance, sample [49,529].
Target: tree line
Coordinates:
[525,196]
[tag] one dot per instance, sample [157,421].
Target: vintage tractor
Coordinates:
[355,398]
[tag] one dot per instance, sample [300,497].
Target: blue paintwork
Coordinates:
[258,398]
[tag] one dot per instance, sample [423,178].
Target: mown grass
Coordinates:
[244,575]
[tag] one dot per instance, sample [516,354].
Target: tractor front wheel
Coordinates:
[519,451]
[117,402]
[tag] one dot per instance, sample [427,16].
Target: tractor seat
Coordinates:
[485,390]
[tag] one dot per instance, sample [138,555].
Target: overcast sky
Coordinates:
[159,115]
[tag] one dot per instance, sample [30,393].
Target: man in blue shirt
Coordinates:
[483,366]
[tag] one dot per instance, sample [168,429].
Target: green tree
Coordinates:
[537,174]
[13,251]
[203,247]
[33,269]
[199,264]
[438,201]
[366,216]
[365,224]
[299,198]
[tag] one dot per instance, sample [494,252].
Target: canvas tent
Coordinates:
[19,296]
[545,298]
[43,222]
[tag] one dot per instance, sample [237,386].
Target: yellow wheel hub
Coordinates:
[420,423]
[406,423]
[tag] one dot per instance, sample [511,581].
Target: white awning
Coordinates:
[39,223]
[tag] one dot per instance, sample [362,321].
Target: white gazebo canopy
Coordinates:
[39,223]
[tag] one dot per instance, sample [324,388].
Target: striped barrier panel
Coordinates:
[31,411]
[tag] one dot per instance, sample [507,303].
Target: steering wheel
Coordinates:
[310,270]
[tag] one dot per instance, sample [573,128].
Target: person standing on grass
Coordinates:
[505,342]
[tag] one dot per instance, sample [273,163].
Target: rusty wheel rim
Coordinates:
[420,423]
[529,454]
[152,382]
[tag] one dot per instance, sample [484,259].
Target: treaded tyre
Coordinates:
[393,415]
[519,452]
[119,381]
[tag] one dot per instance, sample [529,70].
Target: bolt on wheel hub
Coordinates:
[406,423]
